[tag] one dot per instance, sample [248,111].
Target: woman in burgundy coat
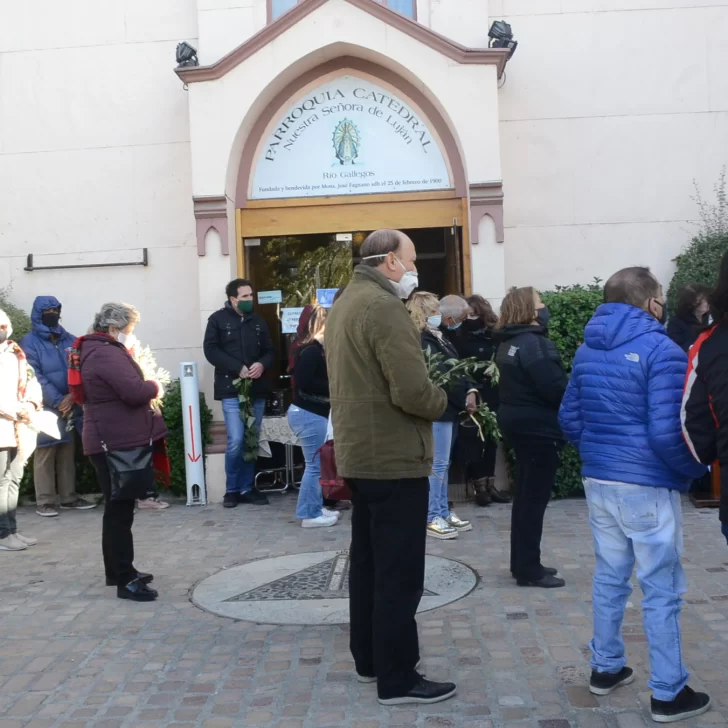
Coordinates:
[117,416]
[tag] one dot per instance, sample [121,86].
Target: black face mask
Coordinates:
[50,319]
[663,316]
[3,336]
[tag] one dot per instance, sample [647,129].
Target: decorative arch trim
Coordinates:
[352,63]
[211,213]
[458,53]
[486,198]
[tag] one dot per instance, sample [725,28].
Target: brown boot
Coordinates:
[496,495]
[482,494]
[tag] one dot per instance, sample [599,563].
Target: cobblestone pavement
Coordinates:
[71,654]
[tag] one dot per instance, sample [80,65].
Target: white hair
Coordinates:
[454,307]
[5,321]
[119,315]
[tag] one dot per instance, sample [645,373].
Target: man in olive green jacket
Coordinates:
[383,405]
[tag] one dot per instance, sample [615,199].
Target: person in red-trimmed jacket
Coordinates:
[118,415]
[704,411]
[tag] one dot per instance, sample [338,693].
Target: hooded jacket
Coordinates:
[622,406]
[47,351]
[532,382]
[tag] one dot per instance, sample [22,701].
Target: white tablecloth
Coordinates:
[275,429]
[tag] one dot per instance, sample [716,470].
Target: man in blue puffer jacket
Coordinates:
[47,347]
[622,411]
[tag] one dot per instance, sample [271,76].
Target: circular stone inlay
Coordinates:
[312,588]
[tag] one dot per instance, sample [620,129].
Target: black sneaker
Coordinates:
[253,497]
[137,591]
[604,683]
[230,500]
[547,581]
[145,578]
[687,704]
[424,691]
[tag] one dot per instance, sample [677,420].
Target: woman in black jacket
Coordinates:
[690,315]
[308,418]
[469,326]
[532,385]
[442,523]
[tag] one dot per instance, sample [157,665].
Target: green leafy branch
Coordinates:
[446,372]
[247,415]
[487,423]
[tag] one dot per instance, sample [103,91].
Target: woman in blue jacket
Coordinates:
[47,347]
[622,412]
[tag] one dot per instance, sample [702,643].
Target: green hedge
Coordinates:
[86,475]
[700,260]
[571,307]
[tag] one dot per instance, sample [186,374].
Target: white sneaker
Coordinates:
[12,543]
[329,512]
[322,521]
[27,540]
[152,504]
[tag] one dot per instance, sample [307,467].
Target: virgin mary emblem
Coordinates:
[346,141]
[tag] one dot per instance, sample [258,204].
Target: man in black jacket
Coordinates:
[238,344]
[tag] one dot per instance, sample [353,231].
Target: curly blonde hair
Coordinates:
[421,306]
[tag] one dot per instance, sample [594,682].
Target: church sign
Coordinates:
[348,136]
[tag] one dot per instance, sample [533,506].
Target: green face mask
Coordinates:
[245,306]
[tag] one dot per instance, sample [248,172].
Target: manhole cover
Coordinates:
[312,588]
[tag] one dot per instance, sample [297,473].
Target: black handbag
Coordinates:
[131,473]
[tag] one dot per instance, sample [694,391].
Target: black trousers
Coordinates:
[387,579]
[537,460]
[117,542]
[475,457]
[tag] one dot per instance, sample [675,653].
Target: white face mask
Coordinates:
[127,339]
[434,322]
[406,284]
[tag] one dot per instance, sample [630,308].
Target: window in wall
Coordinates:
[276,8]
[406,7]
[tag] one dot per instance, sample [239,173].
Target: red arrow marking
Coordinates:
[192,435]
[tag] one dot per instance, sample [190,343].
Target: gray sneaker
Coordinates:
[78,505]
[11,543]
[47,511]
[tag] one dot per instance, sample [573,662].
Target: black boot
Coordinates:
[137,591]
[547,581]
[482,494]
[146,578]
[496,495]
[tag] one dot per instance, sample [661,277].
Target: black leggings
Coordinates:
[117,542]
[537,460]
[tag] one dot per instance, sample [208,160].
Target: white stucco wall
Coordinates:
[95,162]
[610,110]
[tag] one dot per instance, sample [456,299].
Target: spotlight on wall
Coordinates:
[186,55]
[501,36]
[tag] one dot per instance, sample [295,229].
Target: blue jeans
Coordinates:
[636,523]
[310,429]
[239,474]
[443,435]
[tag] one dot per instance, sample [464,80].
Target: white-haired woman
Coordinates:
[118,416]
[20,398]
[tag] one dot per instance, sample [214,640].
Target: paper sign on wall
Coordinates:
[270,297]
[289,319]
[325,296]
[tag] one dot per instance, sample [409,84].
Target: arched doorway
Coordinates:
[347,148]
